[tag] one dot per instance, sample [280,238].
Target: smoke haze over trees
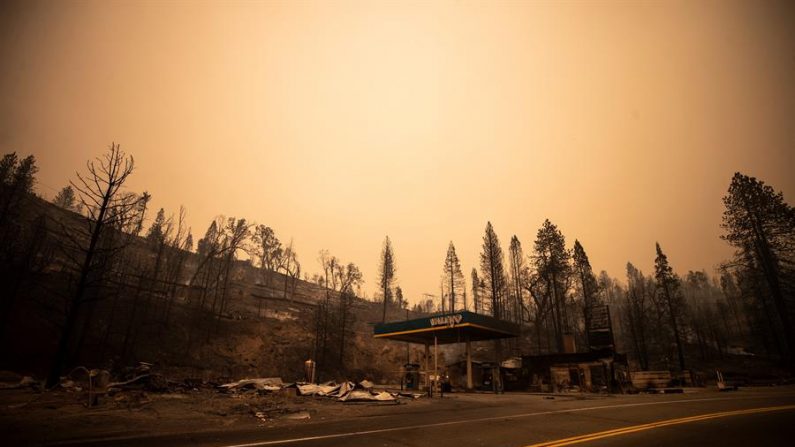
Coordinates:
[275,135]
[108,278]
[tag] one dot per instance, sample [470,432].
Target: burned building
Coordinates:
[593,371]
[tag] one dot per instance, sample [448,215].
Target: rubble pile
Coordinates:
[343,392]
[347,392]
[268,399]
[12,381]
[263,384]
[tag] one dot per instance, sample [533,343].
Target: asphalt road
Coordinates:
[746,417]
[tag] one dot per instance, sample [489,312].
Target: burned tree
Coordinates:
[267,250]
[668,289]
[636,314]
[324,309]
[236,233]
[179,248]
[211,281]
[100,190]
[339,280]
[148,282]
[709,316]
[291,268]
[349,277]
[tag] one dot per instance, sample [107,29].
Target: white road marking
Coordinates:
[484,419]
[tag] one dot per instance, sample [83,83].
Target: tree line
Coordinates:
[661,318]
[108,283]
[113,282]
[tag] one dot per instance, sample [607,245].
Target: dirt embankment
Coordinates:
[267,328]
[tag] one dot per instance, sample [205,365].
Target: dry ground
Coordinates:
[29,416]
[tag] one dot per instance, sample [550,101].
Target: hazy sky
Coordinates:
[338,123]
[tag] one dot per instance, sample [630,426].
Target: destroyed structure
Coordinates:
[599,369]
[456,327]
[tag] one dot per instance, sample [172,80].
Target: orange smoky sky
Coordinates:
[338,123]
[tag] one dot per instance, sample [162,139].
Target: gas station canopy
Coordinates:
[454,327]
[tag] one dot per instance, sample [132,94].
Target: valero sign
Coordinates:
[447,320]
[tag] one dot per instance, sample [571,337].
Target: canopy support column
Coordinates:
[469,365]
[427,368]
[435,362]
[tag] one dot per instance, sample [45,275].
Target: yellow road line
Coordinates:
[649,426]
[636,428]
[503,418]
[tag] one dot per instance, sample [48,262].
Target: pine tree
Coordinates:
[156,234]
[65,198]
[476,291]
[25,175]
[386,274]
[552,263]
[636,314]
[518,274]
[668,288]
[589,287]
[207,244]
[761,226]
[492,271]
[453,283]
[16,180]
[8,165]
